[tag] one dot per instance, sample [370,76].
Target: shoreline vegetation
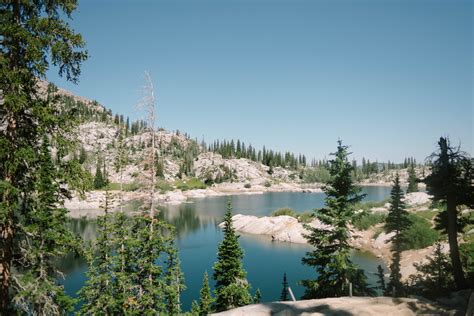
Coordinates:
[88,205]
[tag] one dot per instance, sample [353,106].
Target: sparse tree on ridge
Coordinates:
[412,180]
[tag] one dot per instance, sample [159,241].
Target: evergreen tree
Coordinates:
[82,155]
[47,239]
[381,279]
[284,291]
[450,182]
[99,181]
[412,180]
[435,277]
[232,288]
[174,281]
[331,258]
[195,310]
[258,297]
[205,297]
[33,35]
[99,294]
[398,222]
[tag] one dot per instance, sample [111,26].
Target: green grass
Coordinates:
[366,206]
[429,214]
[190,184]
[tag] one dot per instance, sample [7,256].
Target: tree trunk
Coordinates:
[7,244]
[453,244]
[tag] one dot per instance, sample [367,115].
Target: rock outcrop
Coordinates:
[366,306]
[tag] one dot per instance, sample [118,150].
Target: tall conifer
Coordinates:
[397,222]
[331,257]
[232,288]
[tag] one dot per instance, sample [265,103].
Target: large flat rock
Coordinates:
[343,306]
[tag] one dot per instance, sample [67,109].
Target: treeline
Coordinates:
[94,112]
[238,149]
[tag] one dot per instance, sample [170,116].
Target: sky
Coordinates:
[387,77]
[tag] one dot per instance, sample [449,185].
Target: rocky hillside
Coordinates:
[180,157]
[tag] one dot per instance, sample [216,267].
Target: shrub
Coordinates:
[267,184]
[284,211]
[367,219]
[126,186]
[163,186]
[467,258]
[319,174]
[247,185]
[421,234]
[190,184]
[306,217]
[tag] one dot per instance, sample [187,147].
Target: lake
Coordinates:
[198,236]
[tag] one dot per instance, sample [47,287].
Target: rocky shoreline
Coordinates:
[90,205]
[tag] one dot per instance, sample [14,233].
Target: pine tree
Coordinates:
[48,238]
[412,180]
[450,182]
[99,181]
[398,222]
[381,279]
[331,258]
[195,310]
[82,155]
[174,281]
[258,297]
[232,288]
[435,277]
[99,295]
[284,291]
[33,35]
[205,297]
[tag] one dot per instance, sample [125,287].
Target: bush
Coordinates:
[467,258]
[284,211]
[421,234]
[163,186]
[247,185]
[267,184]
[306,217]
[190,184]
[367,219]
[319,175]
[126,186]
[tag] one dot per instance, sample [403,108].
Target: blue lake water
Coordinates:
[198,237]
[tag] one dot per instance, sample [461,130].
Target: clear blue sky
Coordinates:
[387,77]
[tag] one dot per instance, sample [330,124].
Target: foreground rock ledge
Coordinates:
[376,306]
